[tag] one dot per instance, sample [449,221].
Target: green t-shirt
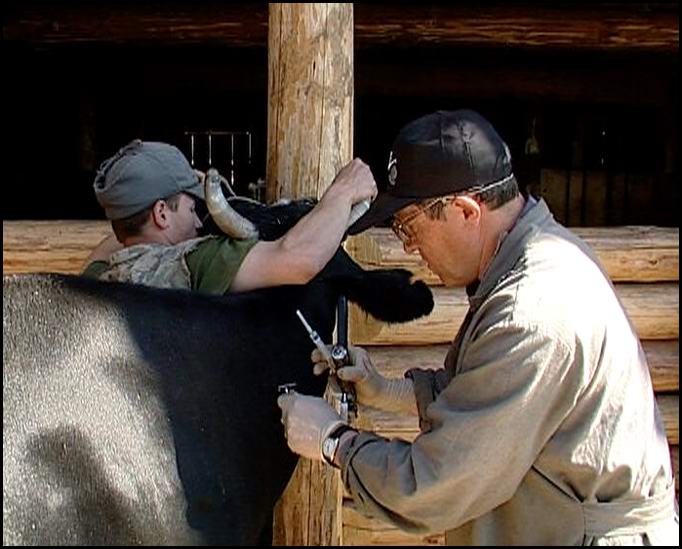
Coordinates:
[213,264]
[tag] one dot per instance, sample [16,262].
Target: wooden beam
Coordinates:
[564,27]
[310,97]
[612,27]
[310,132]
[663,358]
[653,309]
[225,23]
[629,254]
[62,246]
[49,246]
[664,364]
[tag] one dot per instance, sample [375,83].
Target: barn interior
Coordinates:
[592,127]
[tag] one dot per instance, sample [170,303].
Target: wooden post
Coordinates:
[310,97]
[310,137]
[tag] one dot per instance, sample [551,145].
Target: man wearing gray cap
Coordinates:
[148,191]
[542,427]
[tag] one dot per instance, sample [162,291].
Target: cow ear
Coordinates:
[389,295]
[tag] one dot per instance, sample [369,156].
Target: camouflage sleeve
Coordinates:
[94,269]
[214,263]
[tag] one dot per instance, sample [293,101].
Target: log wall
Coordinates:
[49,246]
[642,260]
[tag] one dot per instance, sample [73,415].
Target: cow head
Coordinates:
[389,295]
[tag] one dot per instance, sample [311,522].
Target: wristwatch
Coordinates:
[331,444]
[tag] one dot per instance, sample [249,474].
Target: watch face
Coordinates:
[328,447]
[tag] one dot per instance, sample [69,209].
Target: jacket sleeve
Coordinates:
[515,385]
[94,269]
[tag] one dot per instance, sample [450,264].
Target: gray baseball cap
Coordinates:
[141,173]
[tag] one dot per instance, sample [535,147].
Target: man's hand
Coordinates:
[307,422]
[372,389]
[356,179]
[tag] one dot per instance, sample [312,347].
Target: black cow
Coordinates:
[134,415]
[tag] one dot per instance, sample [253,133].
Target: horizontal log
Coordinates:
[669,406]
[664,364]
[662,356]
[233,24]
[407,426]
[653,309]
[614,27]
[636,254]
[629,254]
[63,246]
[600,28]
[49,246]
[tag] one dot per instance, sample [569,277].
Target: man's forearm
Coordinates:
[316,237]
[307,247]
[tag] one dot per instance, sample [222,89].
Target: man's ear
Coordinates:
[470,208]
[160,214]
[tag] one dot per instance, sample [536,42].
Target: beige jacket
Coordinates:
[542,427]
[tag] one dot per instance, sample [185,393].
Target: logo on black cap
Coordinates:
[392,169]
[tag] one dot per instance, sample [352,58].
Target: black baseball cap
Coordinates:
[442,153]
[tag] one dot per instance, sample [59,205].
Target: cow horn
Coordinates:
[224,215]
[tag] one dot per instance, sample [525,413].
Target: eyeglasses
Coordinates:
[402,228]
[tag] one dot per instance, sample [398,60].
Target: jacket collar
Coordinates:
[510,249]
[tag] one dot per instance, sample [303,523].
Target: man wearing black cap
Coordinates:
[148,191]
[542,427]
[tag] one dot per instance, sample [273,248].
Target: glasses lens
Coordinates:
[400,230]
[397,228]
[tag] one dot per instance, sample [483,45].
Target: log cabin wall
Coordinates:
[586,97]
[643,262]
